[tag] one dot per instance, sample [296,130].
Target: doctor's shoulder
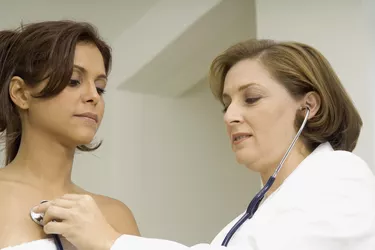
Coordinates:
[117,214]
[331,200]
[343,184]
[342,169]
[345,164]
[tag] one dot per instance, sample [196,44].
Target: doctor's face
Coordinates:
[259,115]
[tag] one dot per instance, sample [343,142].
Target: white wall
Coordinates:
[340,30]
[369,22]
[173,165]
[169,159]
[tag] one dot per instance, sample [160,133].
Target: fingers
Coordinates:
[62,208]
[54,213]
[54,227]
[42,208]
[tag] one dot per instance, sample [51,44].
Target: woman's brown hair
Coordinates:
[36,52]
[300,69]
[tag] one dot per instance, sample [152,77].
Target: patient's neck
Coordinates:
[45,163]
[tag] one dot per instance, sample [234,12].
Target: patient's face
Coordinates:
[259,115]
[74,115]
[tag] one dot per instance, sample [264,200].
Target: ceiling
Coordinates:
[111,17]
[160,47]
[168,58]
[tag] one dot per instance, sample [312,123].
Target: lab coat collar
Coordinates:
[324,147]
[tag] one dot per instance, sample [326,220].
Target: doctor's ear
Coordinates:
[313,101]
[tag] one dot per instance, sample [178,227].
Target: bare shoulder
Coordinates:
[117,214]
[16,200]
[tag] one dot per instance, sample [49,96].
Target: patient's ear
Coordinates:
[19,93]
[313,101]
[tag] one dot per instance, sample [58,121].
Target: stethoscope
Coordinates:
[38,219]
[254,204]
[250,211]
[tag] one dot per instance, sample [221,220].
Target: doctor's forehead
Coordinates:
[244,75]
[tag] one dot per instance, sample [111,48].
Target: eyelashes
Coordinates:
[75,83]
[248,101]
[100,91]
[252,100]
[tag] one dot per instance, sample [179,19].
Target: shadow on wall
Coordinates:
[191,185]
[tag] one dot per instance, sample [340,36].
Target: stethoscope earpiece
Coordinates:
[304,107]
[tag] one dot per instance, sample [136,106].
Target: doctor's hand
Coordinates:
[78,219]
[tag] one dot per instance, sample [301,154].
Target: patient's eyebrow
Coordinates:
[83,70]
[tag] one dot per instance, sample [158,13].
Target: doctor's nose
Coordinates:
[233,116]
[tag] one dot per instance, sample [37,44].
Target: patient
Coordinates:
[52,79]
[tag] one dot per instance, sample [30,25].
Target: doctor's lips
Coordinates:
[89,115]
[240,137]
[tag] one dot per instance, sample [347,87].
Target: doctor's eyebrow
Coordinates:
[240,89]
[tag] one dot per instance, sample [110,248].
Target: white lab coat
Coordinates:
[327,203]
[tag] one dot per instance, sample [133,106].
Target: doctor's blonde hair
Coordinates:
[300,69]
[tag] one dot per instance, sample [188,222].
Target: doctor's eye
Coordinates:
[252,100]
[226,106]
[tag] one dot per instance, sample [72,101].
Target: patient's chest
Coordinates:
[43,244]
[16,226]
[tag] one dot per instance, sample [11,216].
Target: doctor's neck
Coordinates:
[296,156]
[44,163]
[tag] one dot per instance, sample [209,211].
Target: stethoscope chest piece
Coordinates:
[37,217]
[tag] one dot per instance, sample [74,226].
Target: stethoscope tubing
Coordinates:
[254,204]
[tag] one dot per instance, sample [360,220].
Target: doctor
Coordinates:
[323,197]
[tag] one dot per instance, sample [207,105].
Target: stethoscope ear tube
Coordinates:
[250,211]
[254,204]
